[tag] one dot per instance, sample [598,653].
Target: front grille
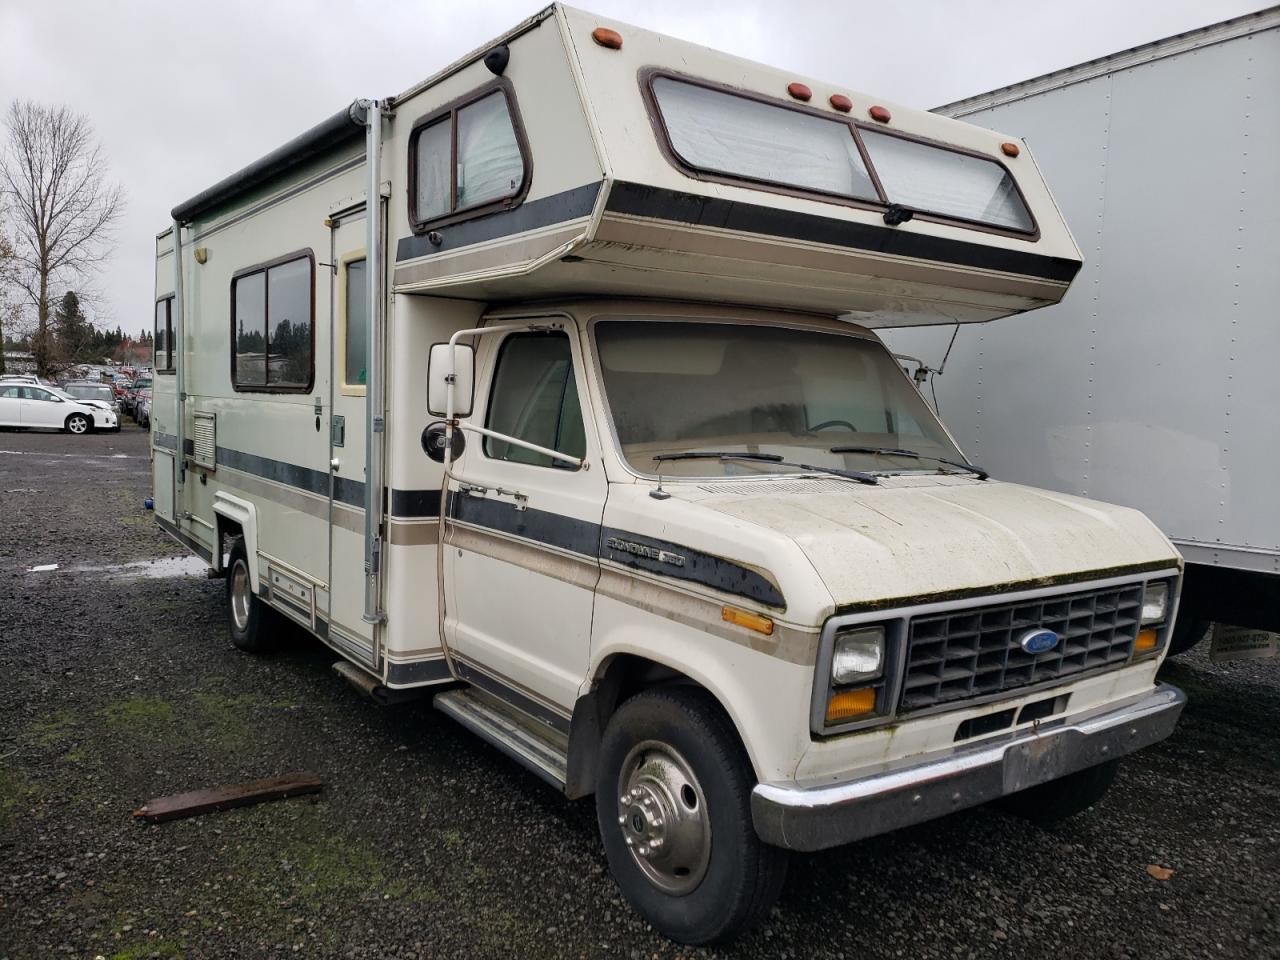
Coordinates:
[962,654]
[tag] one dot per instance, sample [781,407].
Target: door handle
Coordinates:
[335,463]
[521,501]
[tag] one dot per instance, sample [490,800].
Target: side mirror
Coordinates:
[463,366]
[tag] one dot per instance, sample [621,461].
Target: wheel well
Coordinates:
[228,529]
[621,677]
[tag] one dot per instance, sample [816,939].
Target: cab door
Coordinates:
[523,528]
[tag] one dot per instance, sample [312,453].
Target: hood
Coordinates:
[922,536]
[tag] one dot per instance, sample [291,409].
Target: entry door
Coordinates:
[349,336]
[521,541]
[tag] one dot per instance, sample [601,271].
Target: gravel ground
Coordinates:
[118,684]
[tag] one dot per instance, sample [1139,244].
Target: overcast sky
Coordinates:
[183,93]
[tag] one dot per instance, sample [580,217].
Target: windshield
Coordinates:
[87,392]
[792,393]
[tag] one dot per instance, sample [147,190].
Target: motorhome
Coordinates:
[550,388]
[1150,385]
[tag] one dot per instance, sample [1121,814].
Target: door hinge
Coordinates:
[378,424]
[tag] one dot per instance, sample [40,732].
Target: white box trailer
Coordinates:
[550,387]
[1150,384]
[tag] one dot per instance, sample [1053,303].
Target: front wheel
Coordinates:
[1051,803]
[673,800]
[78,423]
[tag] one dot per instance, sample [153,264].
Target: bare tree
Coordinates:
[7,307]
[63,207]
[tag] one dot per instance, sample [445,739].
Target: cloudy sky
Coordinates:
[183,93]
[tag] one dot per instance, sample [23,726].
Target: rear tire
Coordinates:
[672,769]
[1051,803]
[252,623]
[78,424]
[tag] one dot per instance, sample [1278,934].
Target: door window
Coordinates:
[535,398]
[356,349]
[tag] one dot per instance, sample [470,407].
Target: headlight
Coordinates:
[1155,602]
[858,656]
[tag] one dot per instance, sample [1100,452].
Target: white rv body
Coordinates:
[560,597]
[1150,384]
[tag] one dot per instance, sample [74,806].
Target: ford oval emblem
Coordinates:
[1038,641]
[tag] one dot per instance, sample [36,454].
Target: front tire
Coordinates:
[1050,803]
[251,622]
[1187,632]
[673,801]
[78,424]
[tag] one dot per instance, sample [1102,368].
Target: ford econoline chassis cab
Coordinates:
[550,388]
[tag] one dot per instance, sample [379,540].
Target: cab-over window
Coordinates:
[467,159]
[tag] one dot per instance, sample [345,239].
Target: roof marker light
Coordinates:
[1009,149]
[879,114]
[800,91]
[840,102]
[611,39]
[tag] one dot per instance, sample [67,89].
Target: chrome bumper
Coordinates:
[814,818]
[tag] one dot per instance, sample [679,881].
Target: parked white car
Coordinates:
[35,407]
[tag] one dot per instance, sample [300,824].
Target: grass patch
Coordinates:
[149,948]
[15,792]
[138,712]
[54,729]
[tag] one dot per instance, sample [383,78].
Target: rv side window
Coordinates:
[272,326]
[356,326]
[728,133]
[535,397]
[467,158]
[937,180]
[162,349]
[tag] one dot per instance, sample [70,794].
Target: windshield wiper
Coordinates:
[899,452]
[767,458]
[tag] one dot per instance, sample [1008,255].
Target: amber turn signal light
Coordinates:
[745,618]
[850,704]
[607,38]
[1009,149]
[1146,641]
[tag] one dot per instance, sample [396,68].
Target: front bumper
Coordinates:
[815,818]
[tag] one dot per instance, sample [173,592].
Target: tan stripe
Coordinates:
[786,643]
[634,232]
[569,568]
[522,248]
[349,518]
[413,533]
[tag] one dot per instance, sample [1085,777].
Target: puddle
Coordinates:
[162,568]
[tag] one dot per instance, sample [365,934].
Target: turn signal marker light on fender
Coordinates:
[850,704]
[745,618]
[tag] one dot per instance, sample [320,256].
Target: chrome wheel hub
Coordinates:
[241,593]
[663,816]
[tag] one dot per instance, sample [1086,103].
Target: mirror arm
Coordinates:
[545,451]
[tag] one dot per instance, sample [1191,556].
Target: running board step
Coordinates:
[502,727]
